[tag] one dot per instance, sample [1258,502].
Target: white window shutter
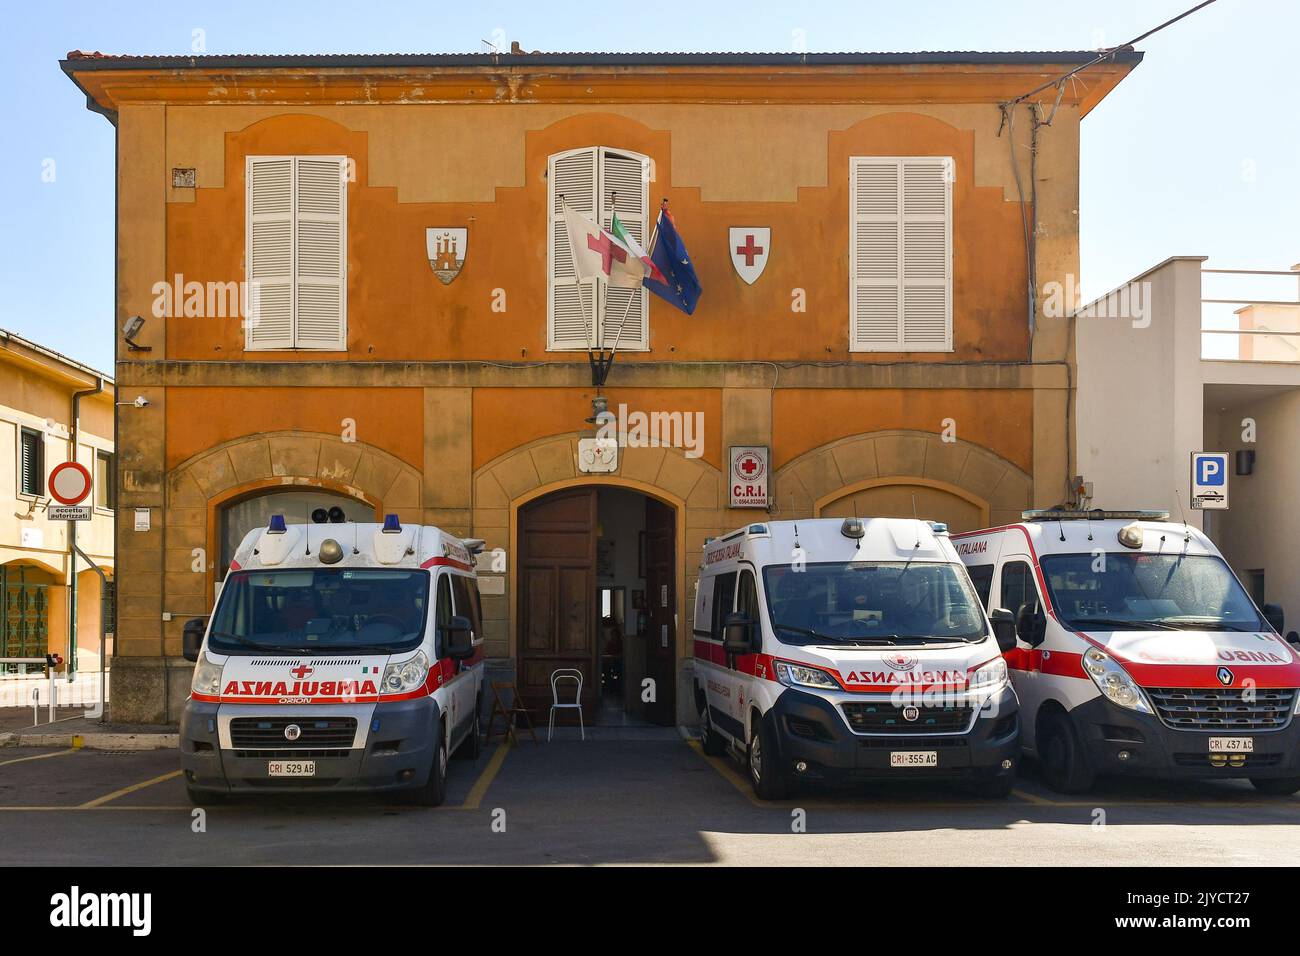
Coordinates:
[900,254]
[320,245]
[624,188]
[269,243]
[570,303]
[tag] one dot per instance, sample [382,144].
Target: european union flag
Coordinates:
[670,255]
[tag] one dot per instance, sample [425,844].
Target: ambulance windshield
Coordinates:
[317,611]
[872,603]
[1134,592]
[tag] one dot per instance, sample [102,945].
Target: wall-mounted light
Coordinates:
[1246,461]
[131,330]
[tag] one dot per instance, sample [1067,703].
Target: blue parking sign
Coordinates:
[1210,480]
[1209,470]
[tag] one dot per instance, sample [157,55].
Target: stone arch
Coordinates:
[812,482]
[199,486]
[271,459]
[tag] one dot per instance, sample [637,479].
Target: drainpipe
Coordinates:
[72,532]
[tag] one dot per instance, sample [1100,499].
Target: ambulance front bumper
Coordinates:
[393,749]
[1123,741]
[813,731]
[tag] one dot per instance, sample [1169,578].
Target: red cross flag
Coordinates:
[599,253]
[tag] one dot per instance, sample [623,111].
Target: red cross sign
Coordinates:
[749,476]
[608,251]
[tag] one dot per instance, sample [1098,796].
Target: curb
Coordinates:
[96,741]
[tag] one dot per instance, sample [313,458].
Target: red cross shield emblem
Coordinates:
[749,247]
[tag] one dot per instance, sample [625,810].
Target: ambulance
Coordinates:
[1138,651]
[836,652]
[340,656]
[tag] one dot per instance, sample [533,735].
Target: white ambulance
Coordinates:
[1138,651]
[340,656]
[842,651]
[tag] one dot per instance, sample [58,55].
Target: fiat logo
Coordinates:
[292,732]
[911,713]
[1225,677]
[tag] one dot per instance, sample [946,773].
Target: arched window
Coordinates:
[296,504]
[596,181]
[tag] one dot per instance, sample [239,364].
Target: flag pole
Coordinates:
[654,237]
[582,304]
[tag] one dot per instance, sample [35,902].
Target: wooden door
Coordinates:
[661,602]
[557,599]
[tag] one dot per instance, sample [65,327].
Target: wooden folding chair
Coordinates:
[508,713]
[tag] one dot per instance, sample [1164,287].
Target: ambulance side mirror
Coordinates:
[192,638]
[1004,628]
[1275,616]
[458,638]
[1293,639]
[1030,627]
[738,634]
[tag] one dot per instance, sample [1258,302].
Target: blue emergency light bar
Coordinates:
[277,525]
[392,525]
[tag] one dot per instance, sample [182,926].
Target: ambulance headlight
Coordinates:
[207,677]
[404,677]
[1113,681]
[989,677]
[797,675]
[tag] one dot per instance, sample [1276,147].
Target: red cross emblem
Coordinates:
[608,251]
[301,671]
[749,250]
[750,247]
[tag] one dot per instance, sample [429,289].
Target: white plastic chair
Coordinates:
[566,674]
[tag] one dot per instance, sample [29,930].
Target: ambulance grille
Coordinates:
[1213,708]
[886,717]
[264,733]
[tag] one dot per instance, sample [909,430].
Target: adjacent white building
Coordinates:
[1170,364]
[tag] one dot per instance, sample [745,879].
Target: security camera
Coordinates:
[140,402]
[131,330]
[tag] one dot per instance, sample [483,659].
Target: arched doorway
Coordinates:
[597,592]
[908,497]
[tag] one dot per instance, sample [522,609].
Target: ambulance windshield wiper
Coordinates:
[272,648]
[818,635]
[1122,624]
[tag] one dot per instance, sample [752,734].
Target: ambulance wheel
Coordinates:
[711,741]
[434,790]
[472,745]
[1061,754]
[767,778]
[1276,786]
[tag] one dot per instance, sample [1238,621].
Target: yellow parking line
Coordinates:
[58,753]
[99,801]
[480,788]
[728,774]
[1035,799]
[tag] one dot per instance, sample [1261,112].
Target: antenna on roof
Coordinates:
[1187,531]
[917,526]
[306,548]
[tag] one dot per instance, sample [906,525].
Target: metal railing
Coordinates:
[1242,336]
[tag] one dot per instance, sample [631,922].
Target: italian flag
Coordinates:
[625,237]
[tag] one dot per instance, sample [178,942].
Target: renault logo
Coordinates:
[911,713]
[292,732]
[1225,677]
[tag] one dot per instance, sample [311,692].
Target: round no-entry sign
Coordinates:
[69,483]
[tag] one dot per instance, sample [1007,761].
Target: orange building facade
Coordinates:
[377,378]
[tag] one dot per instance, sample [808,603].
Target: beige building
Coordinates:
[1163,374]
[48,403]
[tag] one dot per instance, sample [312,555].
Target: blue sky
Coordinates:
[1197,152]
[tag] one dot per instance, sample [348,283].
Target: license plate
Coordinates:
[291,768]
[1232,745]
[914,758]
